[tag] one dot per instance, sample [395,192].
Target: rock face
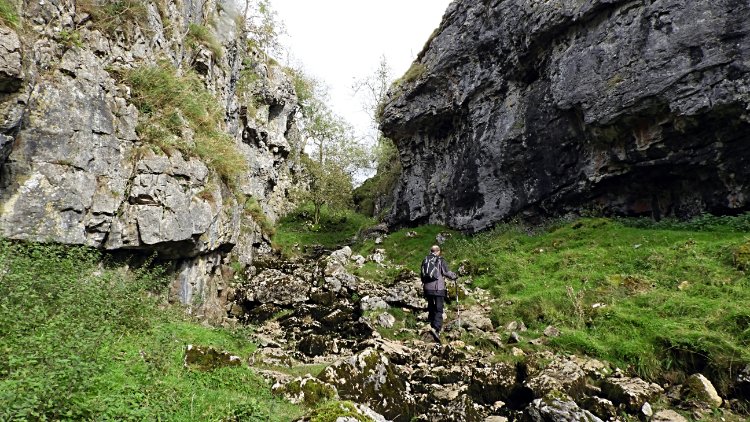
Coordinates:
[545,108]
[73,167]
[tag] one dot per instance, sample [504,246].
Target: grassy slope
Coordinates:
[661,331]
[82,339]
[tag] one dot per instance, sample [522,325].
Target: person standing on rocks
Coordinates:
[434,268]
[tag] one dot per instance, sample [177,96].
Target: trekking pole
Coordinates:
[458,306]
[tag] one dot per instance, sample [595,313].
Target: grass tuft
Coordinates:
[109,16]
[8,13]
[173,106]
[202,35]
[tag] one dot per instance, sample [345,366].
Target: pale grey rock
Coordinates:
[386,320]
[562,375]
[406,294]
[372,303]
[342,255]
[359,259]
[11,68]
[514,338]
[477,316]
[668,416]
[556,407]
[698,387]
[274,286]
[630,392]
[551,331]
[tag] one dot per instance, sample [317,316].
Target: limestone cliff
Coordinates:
[542,108]
[75,167]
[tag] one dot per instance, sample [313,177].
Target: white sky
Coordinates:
[340,40]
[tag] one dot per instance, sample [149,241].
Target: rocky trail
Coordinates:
[312,313]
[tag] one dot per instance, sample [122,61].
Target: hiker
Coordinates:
[433,269]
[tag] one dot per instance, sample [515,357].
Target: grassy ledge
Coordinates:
[172,106]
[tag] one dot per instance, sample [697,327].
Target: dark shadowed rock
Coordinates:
[313,345]
[544,108]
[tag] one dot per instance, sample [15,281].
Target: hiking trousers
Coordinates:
[435,310]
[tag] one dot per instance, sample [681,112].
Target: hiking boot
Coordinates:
[435,335]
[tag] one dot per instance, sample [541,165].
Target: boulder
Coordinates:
[452,407]
[372,303]
[630,392]
[337,277]
[369,377]
[386,320]
[602,408]
[442,237]
[668,416]
[476,315]
[374,231]
[308,390]
[377,257]
[359,259]
[313,345]
[274,286]
[271,356]
[406,295]
[493,383]
[209,358]
[561,375]
[698,388]
[342,255]
[551,331]
[556,407]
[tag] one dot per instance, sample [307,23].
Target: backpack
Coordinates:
[430,269]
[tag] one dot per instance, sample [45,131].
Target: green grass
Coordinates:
[202,35]
[109,16]
[8,13]
[334,229]
[172,105]
[634,267]
[85,339]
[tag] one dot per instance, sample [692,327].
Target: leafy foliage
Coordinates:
[84,338]
[174,106]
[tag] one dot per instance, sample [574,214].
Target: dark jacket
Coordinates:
[437,288]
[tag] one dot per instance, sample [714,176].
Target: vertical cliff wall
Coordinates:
[75,164]
[542,108]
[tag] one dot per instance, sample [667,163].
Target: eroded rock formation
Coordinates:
[74,169]
[539,108]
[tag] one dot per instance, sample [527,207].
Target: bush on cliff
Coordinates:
[86,338]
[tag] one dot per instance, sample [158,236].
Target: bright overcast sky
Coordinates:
[340,40]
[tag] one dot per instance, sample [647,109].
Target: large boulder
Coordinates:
[556,407]
[274,286]
[209,358]
[494,383]
[369,377]
[308,390]
[560,375]
[698,388]
[630,392]
[668,415]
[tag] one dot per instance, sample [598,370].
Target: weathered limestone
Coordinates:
[545,108]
